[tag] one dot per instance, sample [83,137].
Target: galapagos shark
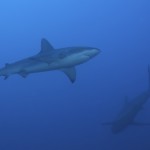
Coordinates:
[130,110]
[49,58]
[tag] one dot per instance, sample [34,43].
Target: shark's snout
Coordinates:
[96,51]
[92,52]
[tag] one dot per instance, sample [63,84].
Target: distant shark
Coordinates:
[130,110]
[49,58]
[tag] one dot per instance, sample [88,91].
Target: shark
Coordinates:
[130,110]
[49,58]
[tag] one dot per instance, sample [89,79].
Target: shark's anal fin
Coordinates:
[70,73]
[23,73]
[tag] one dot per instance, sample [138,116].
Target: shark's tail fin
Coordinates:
[148,77]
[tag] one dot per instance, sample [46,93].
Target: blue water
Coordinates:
[45,111]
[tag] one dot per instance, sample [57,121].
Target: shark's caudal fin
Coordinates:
[45,46]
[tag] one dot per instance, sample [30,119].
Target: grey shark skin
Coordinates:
[130,110]
[64,59]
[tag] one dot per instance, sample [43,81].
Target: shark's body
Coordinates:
[64,59]
[127,115]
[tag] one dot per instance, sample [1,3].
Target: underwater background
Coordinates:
[47,112]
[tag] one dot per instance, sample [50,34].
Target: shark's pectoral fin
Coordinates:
[23,73]
[70,73]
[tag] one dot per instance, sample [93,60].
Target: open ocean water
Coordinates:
[46,111]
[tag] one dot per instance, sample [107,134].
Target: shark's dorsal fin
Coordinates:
[46,46]
[71,73]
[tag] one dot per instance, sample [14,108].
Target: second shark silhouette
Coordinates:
[130,110]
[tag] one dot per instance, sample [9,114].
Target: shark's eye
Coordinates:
[62,55]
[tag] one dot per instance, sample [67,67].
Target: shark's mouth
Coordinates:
[87,56]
